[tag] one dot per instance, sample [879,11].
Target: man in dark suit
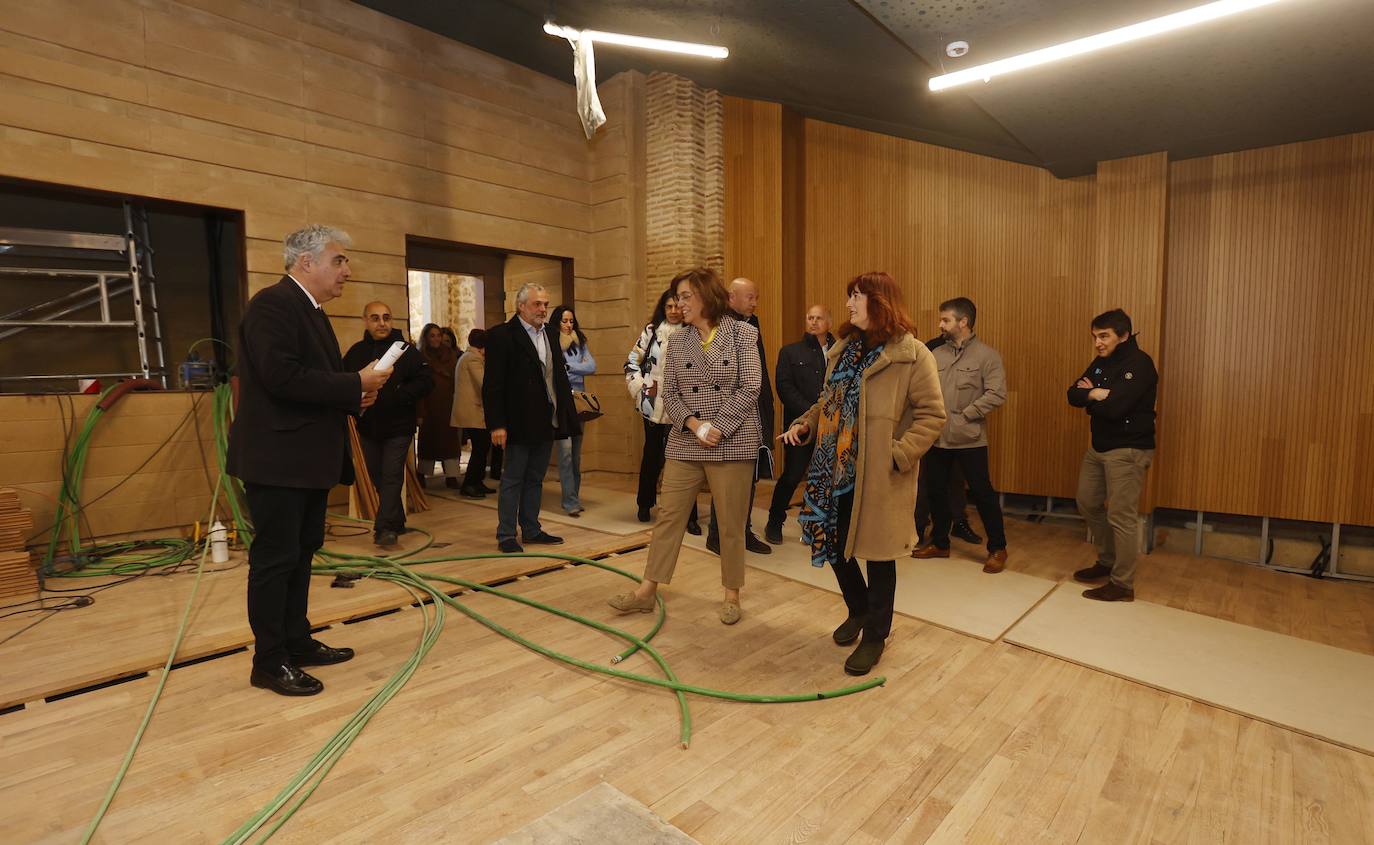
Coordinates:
[528,405]
[744,301]
[387,430]
[288,445]
[801,376]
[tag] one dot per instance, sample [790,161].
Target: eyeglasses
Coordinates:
[685,296]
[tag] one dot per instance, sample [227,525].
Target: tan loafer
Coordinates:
[730,612]
[630,603]
[929,552]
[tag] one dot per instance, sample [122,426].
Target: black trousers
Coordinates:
[288,526]
[498,457]
[958,497]
[871,602]
[974,464]
[386,463]
[796,461]
[651,462]
[477,460]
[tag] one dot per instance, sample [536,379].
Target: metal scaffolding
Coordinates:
[136,279]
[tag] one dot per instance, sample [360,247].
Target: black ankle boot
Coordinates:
[865,657]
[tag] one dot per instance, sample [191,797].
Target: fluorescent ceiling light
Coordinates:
[1144,29]
[707,50]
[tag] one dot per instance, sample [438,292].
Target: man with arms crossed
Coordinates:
[1118,393]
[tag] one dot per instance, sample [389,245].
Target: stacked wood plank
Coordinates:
[17,575]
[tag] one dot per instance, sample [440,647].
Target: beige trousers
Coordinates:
[1108,495]
[731,483]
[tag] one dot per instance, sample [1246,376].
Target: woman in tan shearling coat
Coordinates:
[880,410]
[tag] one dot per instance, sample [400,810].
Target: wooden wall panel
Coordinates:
[1015,240]
[324,110]
[1131,212]
[753,212]
[1270,299]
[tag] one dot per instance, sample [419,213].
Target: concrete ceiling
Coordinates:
[1296,70]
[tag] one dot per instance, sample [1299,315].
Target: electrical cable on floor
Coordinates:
[419,585]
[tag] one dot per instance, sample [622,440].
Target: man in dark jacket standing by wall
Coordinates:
[288,445]
[1118,392]
[528,405]
[801,375]
[744,301]
[386,430]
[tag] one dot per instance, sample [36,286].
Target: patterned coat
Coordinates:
[720,385]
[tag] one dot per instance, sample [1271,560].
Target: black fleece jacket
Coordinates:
[393,414]
[1126,418]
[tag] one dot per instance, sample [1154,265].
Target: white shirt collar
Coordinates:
[303,290]
[529,328]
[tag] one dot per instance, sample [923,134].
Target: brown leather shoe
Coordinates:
[1096,572]
[928,552]
[1109,591]
[996,562]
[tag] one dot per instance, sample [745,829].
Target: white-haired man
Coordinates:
[528,405]
[288,445]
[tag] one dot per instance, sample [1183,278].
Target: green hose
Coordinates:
[122,559]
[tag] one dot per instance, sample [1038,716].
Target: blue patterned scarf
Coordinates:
[831,474]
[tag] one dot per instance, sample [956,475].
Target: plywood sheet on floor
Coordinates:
[1309,687]
[130,627]
[602,814]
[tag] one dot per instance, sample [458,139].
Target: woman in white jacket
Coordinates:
[643,372]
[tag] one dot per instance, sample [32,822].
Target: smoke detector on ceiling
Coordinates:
[955,49]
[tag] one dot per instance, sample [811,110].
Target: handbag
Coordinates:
[587,406]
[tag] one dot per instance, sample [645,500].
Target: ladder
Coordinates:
[143,286]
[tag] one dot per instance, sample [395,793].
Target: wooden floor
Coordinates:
[968,741]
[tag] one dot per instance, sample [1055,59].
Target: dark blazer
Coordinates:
[289,430]
[513,395]
[393,414]
[801,375]
[720,385]
[765,394]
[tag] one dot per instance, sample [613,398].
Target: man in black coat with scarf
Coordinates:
[386,430]
[528,404]
[288,445]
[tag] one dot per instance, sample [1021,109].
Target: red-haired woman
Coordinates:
[880,410]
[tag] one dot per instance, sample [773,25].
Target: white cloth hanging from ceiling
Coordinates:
[584,69]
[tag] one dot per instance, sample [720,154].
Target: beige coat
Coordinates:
[467,399]
[901,412]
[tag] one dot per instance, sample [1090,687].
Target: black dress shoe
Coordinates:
[485,489]
[385,538]
[754,544]
[544,539]
[511,547]
[964,532]
[849,630]
[772,532]
[712,543]
[285,679]
[694,527]
[864,658]
[644,515]
[472,493]
[319,654]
